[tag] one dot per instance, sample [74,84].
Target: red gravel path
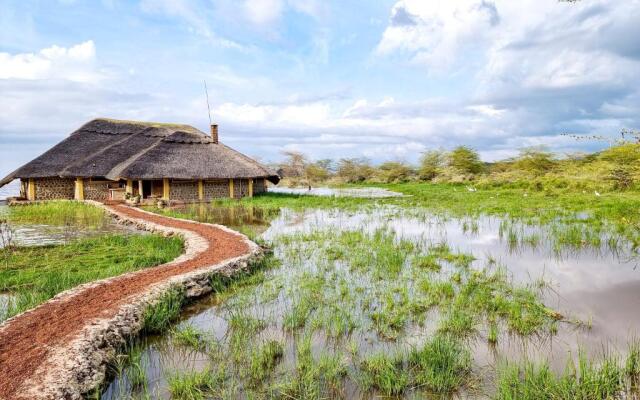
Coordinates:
[29,338]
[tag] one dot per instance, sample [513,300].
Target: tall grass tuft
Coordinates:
[159,315]
[441,365]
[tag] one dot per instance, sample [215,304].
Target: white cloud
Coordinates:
[76,63]
[263,12]
[433,33]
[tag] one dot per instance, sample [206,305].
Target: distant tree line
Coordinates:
[616,168]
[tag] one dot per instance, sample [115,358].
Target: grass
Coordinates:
[158,316]
[194,385]
[584,379]
[441,365]
[57,213]
[35,274]
[384,372]
[264,359]
[191,337]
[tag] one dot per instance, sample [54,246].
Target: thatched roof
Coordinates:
[141,150]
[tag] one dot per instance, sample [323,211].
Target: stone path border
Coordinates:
[60,349]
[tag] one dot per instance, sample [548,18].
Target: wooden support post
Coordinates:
[250,187]
[166,188]
[201,190]
[231,188]
[140,190]
[264,188]
[31,190]
[79,189]
[129,188]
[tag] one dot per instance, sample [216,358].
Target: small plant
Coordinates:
[190,336]
[193,385]
[441,365]
[385,373]
[264,359]
[159,315]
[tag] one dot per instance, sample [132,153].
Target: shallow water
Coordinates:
[596,284]
[43,235]
[370,192]
[9,190]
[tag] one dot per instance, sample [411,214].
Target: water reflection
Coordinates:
[595,284]
[24,234]
[369,192]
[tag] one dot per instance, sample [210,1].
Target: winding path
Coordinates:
[31,343]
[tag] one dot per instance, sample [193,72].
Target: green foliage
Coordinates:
[394,172]
[465,160]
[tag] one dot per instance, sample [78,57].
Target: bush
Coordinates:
[431,164]
[622,178]
[624,154]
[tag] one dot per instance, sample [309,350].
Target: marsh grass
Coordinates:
[191,337]
[195,385]
[159,315]
[36,274]
[583,379]
[347,301]
[57,213]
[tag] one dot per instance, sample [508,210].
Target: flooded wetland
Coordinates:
[380,300]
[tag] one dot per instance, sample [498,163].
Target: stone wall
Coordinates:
[97,190]
[55,188]
[184,190]
[216,190]
[240,188]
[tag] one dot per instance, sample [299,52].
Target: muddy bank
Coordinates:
[61,348]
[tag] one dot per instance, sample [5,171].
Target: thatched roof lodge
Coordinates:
[110,159]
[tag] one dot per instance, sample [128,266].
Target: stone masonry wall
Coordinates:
[240,188]
[216,190]
[55,188]
[184,191]
[97,190]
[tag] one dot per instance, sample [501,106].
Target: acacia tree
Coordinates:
[465,159]
[535,159]
[431,164]
[353,170]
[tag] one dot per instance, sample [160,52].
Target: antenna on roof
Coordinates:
[212,126]
[206,92]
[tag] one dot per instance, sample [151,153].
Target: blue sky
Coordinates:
[380,79]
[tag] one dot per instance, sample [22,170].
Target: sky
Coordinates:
[382,79]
